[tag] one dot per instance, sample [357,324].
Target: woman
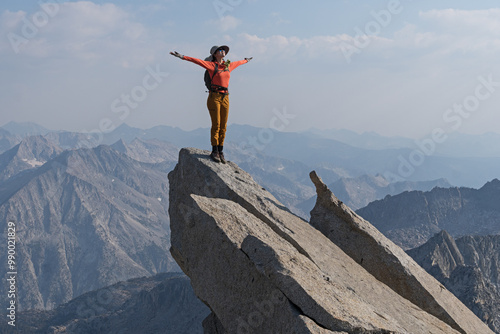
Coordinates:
[218,97]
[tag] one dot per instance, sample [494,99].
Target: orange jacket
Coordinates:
[222,78]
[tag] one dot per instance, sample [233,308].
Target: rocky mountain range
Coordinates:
[345,153]
[86,219]
[359,192]
[262,269]
[91,217]
[336,155]
[473,288]
[411,218]
[163,303]
[469,267]
[284,174]
[458,145]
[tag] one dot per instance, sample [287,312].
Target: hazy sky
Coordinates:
[393,67]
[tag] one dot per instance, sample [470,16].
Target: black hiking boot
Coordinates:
[221,157]
[215,156]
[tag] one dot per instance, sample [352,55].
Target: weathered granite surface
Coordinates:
[261,269]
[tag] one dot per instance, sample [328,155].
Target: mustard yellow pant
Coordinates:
[218,107]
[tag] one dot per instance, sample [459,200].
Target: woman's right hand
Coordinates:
[177,54]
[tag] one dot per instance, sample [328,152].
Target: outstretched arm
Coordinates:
[205,64]
[235,64]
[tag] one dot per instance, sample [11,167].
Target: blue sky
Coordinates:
[394,67]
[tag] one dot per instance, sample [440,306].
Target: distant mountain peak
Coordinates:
[125,126]
[25,128]
[493,184]
[31,152]
[120,146]
[443,235]
[150,151]
[439,255]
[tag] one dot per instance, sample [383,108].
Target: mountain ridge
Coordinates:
[411,218]
[95,217]
[468,267]
[158,304]
[317,151]
[30,153]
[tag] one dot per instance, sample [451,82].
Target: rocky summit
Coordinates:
[262,269]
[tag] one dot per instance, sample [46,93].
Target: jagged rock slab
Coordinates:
[212,325]
[388,262]
[262,269]
[233,276]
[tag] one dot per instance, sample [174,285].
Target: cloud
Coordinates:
[273,45]
[225,23]
[294,49]
[78,30]
[90,32]
[486,21]
[437,38]
[463,31]
[278,19]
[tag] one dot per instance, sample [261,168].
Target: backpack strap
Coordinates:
[215,71]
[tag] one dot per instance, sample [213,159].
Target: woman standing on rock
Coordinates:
[219,72]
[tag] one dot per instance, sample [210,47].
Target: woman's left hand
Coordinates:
[248,59]
[177,54]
